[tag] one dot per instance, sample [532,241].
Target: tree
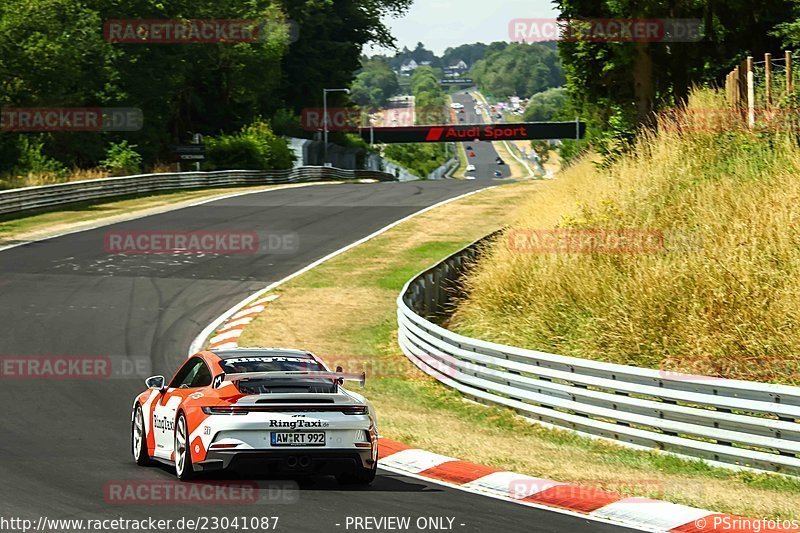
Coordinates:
[519,69]
[546,105]
[468,53]
[430,99]
[375,84]
[53,54]
[328,48]
[628,81]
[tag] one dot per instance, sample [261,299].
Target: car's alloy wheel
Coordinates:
[183,456]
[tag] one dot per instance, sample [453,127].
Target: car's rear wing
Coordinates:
[341,377]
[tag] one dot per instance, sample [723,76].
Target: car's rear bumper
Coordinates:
[288,461]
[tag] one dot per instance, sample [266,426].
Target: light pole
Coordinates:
[325,116]
[372,130]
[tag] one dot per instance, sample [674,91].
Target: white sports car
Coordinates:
[278,409]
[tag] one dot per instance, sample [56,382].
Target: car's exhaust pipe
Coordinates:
[305,462]
[291,461]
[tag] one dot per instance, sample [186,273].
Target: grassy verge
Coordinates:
[714,293]
[79,216]
[344,310]
[518,171]
[463,161]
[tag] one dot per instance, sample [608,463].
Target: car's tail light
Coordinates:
[224,411]
[277,408]
[356,410]
[223,446]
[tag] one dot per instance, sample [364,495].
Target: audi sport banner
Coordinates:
[482,132]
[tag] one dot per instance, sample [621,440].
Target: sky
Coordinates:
[440,24]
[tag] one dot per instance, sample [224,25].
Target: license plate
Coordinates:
[297,439]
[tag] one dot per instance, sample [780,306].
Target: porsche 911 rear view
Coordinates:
[277,410]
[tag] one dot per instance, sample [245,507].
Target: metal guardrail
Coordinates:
[725,421]
[46,196]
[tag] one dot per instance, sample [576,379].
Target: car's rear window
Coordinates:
[243,365]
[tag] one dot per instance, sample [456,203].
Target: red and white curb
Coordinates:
[227,336]
[592,503]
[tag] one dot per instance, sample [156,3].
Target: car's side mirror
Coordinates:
[155,382]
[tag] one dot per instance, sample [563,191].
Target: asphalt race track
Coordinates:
[485,153]
[64,441]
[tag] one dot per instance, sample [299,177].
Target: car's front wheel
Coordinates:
[138,438]
[183,455]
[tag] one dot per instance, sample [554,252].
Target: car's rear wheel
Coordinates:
[183,455]
[138,438]
[360,476]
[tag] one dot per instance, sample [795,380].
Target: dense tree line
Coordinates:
[468,53]
[54,54]
[518,69]
[617,85]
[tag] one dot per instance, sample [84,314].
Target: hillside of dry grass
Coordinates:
[684,254]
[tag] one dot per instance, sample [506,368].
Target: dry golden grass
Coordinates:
[33,179]
[344,310]
[721,296]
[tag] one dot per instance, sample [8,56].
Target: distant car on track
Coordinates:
[470,168]
[275,409]
[472,154]
[498,174]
